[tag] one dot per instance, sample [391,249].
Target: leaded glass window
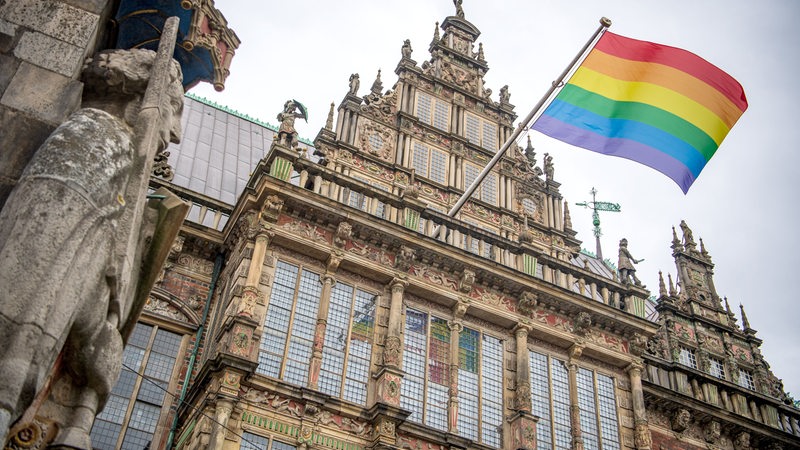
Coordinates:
[426,362]
[429,163]
[487,191]
[550,401]
[348,343]
[746,380]
[480,131]
[285,351]
[433,111]
[716,368]
[252,441]
[687,358]
[151,352]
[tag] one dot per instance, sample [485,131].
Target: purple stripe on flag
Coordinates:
[624,148]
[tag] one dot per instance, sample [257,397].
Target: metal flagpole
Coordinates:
[604,24]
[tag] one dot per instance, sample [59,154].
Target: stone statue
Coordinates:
[292,110]
[60,269]
[688,240]
[625,264]
[406,49]
[354,84]
[742,441]
[459,8]
[504,95]
[549,170]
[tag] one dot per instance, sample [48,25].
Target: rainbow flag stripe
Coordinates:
[661,106]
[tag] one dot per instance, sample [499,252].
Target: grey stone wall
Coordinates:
[43,44]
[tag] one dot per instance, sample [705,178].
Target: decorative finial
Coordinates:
[436,37]
[728,310]
[745,323]
[329,121]
[377,85]
[567,218]
[672,291]
[662,288]
[530,153]
[703,248]
[676,243]
[481,56]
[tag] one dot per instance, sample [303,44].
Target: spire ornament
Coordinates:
[329,121]
[672,291]
[567,218]
[436,37]
[662,288]
[746,323]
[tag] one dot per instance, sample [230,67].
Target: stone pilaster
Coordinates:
[642,438]
[522,396]
[452,404]
[221,415]
[390,376]
[574,409]
[327,281]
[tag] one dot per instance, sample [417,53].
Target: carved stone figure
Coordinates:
[549,170]
[688,240]
[343,233]
[625,264]
[58,234]
[404,258]
[406,49]
[292,110]
[504,95]
[583,322]
[459,8]
[681,420]
[742,441]
[354,84]
[712,432]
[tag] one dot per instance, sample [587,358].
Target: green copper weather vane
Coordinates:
[595,207]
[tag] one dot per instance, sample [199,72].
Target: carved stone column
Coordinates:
[523,423]
[327,281]
[221,416]
[522,397]
[574,409]
[452,404]
[642,438]
[390,376]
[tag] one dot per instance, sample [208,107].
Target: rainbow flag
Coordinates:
[661,106]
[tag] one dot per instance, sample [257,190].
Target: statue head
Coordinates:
[115,81]
[623,242]
[742,441]
[681,419]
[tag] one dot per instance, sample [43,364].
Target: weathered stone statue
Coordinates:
[59,234]
[354,84]
[625,264]
[292,110]
[406,49]
[459,8]
[549,170]
[504,95]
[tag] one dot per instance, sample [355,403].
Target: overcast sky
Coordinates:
[742,205]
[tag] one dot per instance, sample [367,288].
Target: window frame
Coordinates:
[431,167]
[687,357]
[284,358]
[480,138]
[144,380]
[434,103]
[489,187]
[550,400]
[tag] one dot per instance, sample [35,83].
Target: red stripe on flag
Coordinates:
[685,61]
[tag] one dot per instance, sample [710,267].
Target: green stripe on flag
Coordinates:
[529,264]
[281,169]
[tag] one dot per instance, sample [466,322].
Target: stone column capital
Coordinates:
[635,368]
[523,329]
[398,285]
[327,278]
